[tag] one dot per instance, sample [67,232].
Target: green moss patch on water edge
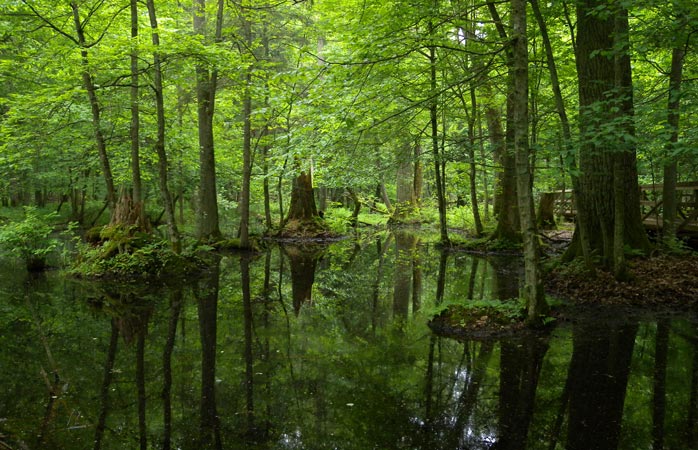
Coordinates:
[488,319]
[123,253]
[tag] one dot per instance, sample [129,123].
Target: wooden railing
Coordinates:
[651,205]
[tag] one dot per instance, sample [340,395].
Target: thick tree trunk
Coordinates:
[206,294]
[206,81]
[303,218]
[506,206]
[605,96]
[405,202]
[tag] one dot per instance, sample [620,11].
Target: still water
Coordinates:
[329,348]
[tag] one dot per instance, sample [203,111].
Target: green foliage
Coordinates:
[30,238]
[125,254]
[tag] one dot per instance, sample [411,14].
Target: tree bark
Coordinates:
[438,160]
[607,160]
[506,205]
[89,86]
[137,193]
[163,176]
[533,287]
[246,140]
[669,211]
[471,156]
[206,81]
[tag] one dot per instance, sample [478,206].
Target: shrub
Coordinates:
[29,238]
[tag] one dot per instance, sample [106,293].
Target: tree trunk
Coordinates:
[418,183]
[471,156]
[135,120]
[506,206]
[246,139]
[607,160]
[439,163]
[533,287]
[167,201]
[303,218]
[89,86]
[206,81]
[670,165]
[546,212]
[206,294]
[405,202]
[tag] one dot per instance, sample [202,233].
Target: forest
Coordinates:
[348,224]
[241,119]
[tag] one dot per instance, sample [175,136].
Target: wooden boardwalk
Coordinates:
[650,206]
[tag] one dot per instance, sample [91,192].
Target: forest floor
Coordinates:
[658,285]
[663,281]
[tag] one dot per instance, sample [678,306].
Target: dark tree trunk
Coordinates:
[206,293]
[303,263]
[598,373]
[669,199]
[303,217]
[607,161]
[546,212]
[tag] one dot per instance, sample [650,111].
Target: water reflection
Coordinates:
[330,349]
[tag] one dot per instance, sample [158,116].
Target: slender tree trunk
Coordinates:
[138,200]
[418,183]
[661,349]
[175,308]
[670,166]
[533,286]
[89,86]
[471,155]
[140,387]
[246,140]
[438,160]
[167,201]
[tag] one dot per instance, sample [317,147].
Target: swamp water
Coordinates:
[329,348]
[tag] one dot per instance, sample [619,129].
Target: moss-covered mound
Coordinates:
[480,319]
[124,253]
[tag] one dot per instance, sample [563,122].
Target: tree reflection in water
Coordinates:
[358,368]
